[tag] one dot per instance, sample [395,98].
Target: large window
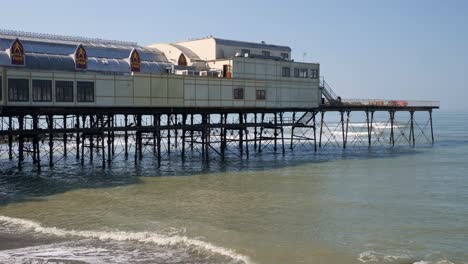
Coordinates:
[1,88]
[64,91]
[286,72]
[285,56]
[245,51]
[301,73]
[42,90]
[85,91]
[265,53]
[314,74]
[297,72]
[304,73]
[18,90]
[260,95]
[238,93]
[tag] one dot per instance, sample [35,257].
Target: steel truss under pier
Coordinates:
[35,135]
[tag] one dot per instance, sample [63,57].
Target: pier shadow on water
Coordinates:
[29,184]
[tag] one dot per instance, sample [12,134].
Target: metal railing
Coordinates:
[328,92]
[395,103]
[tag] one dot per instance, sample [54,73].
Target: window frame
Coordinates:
[51,90]
[77,91]
[314,73]
[260,94]
[266,53]
[297,72]
[288,72]
[10,98]
[73,90]
[238,93]
[285,55]
[304,73]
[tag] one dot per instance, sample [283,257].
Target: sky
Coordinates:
[414,50]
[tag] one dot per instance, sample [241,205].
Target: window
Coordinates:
[85,91]
[42,90]
[64,91]
[304,73]
[286,72]
[296,72]
[1,88]
[238,93]
[314,74]
[245,51]
[285,56]
[265,53]
[260,95]
[18,90]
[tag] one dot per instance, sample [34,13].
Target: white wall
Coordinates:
[224,51]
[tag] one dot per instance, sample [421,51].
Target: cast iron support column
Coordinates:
[10,138]
[126,135]
[51,140]
[321,128]
[282,132]
[110,140]
[392,124]
[343,128]
[261,134]
[292,130]
[432,128]
[255,131]
[77,126]
[276,131]
[241,134]
[65,136]
[315,133]
[246,136]
[191,132]
[20,141]
[83,118]
[158,135]
[412,137]
[169,117]
[184,122]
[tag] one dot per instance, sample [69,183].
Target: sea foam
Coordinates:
[143,237]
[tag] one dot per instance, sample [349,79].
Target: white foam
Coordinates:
[375,257]
[144,237]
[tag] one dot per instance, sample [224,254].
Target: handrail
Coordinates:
[386,102]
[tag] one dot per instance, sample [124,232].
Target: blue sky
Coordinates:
[367,49]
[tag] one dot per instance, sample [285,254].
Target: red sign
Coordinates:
[81,58]
[135,61]
[17,53]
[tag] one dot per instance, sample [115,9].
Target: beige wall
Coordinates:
[178,91]
[204,48]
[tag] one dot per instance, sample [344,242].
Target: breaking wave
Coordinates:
[176,241]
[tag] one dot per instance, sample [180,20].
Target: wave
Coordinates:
[142,237]
[375,257]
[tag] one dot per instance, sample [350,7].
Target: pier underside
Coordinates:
[43,136]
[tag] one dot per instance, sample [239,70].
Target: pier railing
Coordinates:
[395,103]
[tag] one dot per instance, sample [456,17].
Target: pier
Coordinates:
[98,100]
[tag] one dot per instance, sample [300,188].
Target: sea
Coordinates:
[382,204]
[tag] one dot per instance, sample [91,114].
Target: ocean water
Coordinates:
[360,205]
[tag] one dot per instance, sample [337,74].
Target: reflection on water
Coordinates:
[377,206]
